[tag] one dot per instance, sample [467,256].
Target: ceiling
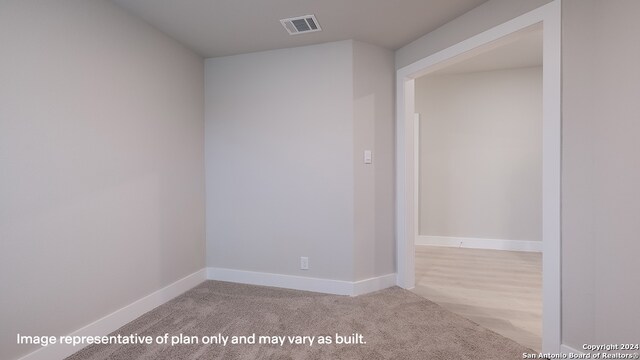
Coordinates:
[226,27]
[519,50]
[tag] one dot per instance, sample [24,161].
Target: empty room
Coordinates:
[221,179]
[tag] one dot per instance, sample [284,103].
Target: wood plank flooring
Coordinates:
[500,290]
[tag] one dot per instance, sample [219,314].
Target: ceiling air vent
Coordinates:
[301,24]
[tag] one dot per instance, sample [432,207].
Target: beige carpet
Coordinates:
[395,324]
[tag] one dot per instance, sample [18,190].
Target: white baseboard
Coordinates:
[480,243]
[337,287]
[119,318]
[373,284]
[565,349]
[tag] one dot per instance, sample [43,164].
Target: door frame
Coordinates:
[549,16]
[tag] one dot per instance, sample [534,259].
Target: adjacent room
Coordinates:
[220,179]
[478,248]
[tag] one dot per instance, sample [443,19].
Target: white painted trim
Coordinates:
[480,243]
[416,173]
[565,349]
[549,15]
[119,318]
[405,182]
[327,286]
[338,287]
[373,284]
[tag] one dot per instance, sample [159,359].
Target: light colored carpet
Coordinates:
[395,323]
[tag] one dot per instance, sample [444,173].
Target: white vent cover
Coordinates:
[301,24]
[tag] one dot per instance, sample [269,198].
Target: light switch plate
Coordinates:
[367,157]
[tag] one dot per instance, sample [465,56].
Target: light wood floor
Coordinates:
[500,290]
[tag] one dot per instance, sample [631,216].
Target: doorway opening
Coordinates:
[479,187]
[547,18]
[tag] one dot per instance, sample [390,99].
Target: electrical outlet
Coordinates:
[304,263]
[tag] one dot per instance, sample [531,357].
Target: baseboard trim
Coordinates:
[327,286]
[480,243]
[565,349]
[337,287]
[126,314]
[373,284]
[120,317]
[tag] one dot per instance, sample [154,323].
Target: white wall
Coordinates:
[601,172]
[279,161]
[285,131]
[481,154]
[374,122]
[101,151]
